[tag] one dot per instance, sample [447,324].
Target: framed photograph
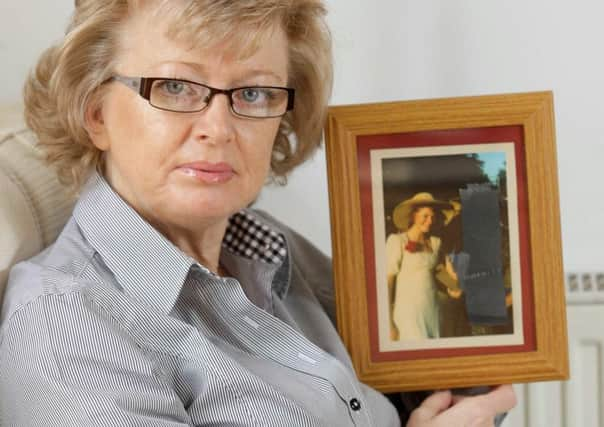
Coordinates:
[446,241]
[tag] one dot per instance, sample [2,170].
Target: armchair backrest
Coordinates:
[34,206]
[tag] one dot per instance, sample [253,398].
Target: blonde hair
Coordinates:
[69,76]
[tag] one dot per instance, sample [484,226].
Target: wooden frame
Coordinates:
[367,143]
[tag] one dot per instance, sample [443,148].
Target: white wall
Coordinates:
[27,27]
[401,49]
[397,50]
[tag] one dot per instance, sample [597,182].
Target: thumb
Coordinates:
[431,407]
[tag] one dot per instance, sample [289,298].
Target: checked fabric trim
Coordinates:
[248,237]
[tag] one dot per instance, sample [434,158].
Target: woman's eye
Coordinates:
[173,87]
[250,95]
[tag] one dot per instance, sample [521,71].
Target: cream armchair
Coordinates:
[33,205]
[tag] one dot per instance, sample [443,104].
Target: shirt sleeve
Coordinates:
[72,370]
[394,254]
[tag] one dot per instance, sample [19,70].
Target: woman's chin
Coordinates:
[199,207]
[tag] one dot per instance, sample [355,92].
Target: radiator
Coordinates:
[578,402]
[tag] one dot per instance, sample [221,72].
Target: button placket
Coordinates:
[315,361]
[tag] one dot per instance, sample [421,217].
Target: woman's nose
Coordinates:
[216,123]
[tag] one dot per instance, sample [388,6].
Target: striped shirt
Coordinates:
[115,326]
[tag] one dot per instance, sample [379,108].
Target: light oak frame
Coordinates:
[534,112]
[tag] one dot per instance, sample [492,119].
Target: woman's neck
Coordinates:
[202,244]
[415,234]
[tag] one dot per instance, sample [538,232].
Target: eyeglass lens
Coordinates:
[182,96]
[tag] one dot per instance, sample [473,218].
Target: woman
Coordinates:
[412,256]
[165,301]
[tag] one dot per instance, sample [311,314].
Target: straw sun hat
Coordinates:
[402,212]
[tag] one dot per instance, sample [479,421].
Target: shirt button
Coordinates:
[355,405]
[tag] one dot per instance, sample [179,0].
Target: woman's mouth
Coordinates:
[207,172]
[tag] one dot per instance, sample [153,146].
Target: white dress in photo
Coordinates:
[415,312]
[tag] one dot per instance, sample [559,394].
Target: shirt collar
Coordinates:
[247,236]
[149,267]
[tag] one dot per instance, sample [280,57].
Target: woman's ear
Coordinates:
[94,124]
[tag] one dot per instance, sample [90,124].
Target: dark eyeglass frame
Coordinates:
[143,86]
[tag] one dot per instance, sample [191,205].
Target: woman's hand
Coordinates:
[442,409]
[454,293]
[450,269]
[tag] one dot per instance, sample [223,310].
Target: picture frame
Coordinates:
[482,301]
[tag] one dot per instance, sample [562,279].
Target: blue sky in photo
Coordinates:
[493,163]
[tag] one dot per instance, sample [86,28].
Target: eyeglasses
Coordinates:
[184,96]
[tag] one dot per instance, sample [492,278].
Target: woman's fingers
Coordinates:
[479,411]
[454,293]
[435,404]
[501,399]
[467,411]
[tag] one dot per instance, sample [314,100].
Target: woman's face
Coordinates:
[423,219]
[187,169]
